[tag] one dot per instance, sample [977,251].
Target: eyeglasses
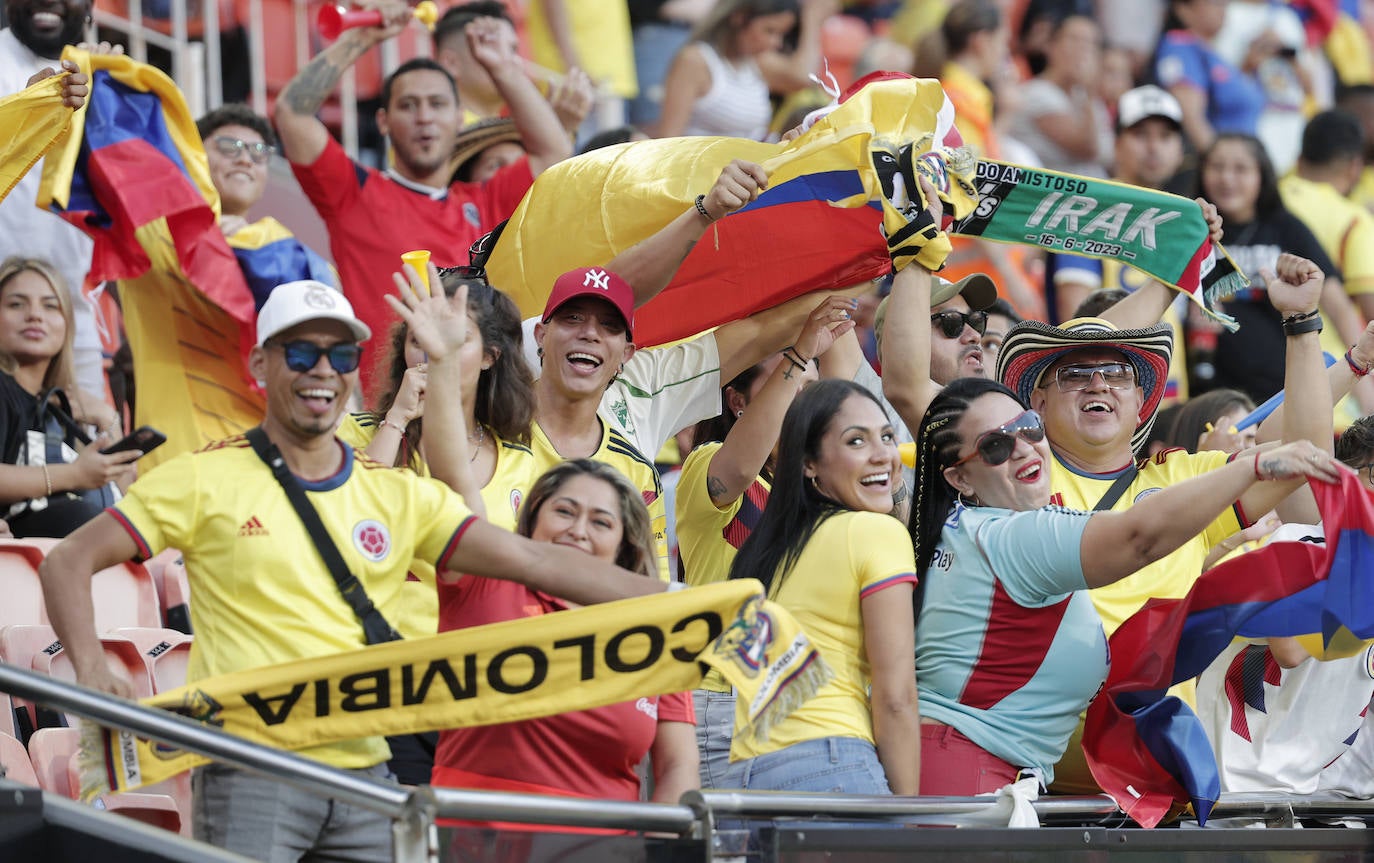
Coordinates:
[476,274]
[1117,376]
[230,148]
[303,356]
[996,446]
[952,323]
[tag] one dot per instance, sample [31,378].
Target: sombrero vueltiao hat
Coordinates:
[475,138]
[1032,347]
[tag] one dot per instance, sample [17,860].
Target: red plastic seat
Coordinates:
[53,752]
[37,647]
[168,570]
[166,653]
[123,595]
[14,758]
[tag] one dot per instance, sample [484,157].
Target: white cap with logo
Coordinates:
[1142,103]
[297,302]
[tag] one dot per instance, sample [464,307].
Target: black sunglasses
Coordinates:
[303,356]
[996,446]
[951,323]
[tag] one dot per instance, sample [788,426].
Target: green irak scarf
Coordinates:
[1162,235]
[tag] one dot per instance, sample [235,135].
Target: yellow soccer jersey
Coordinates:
[418,615]
[261,594]
[1344,229]
[1172,576]
[708,537]
[850,556]
[617,451]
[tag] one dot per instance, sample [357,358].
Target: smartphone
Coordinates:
[144,439]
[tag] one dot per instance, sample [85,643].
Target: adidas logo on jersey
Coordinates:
[253,527]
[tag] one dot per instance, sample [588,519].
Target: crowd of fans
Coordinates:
[549,462]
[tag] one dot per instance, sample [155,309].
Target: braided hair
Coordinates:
[938,444]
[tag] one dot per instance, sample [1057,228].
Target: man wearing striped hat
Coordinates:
[1098,387]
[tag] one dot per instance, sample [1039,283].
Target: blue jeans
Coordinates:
[271,821]
[715,730]
[833,765]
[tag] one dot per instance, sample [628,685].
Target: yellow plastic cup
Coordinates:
[419,259]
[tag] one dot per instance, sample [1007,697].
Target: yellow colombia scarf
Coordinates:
[504,672]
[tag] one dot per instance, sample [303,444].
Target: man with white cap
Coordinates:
[263,594]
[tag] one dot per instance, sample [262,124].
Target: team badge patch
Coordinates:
[472,214]
[1369,662]
[516,498]
[1144,494]
[372,539]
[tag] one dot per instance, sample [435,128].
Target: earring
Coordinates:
[539,352]
[739,413]
[969,502]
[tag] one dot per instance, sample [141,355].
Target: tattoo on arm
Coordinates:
[306,92]
[715,487]
[899,494]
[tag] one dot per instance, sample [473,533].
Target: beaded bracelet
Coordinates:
[387,422]
[1354,367]
[47,479]
[791,354]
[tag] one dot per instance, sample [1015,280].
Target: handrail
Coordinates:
[388,799]
[565,811]
[766,804]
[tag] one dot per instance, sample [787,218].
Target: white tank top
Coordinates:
[737,104]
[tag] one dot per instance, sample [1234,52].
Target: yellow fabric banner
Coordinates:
[505,672]
[31,121]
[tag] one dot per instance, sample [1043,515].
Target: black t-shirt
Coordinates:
[18,410]
[1252,358]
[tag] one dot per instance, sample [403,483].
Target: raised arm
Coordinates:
[440,325]
[650,264]
[1294,292]
[747,341]
[66,575]
[546,143]
[905,346]
[746,448]
[1116,544]
[303,136]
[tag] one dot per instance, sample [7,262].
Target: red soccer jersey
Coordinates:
[587,753]
[373,217]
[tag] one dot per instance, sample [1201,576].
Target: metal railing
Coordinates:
[410,809]
[413,810]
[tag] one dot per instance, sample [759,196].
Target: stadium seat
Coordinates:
[19,560]
[123,594]
[8,725]
[165,652]
[168,570]
[53,752]
[14,761]
[36,647]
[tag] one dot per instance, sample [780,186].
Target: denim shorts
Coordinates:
[833,765]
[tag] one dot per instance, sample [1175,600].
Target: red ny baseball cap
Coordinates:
[596,282]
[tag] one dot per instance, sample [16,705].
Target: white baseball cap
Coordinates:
[1142,103]
[297,302]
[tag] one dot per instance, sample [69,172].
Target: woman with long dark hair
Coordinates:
[826,549]
[1009,648]
[724,487]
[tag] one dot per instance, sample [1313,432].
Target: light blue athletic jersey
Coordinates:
[1009,649]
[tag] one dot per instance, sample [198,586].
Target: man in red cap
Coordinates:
[585,337]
